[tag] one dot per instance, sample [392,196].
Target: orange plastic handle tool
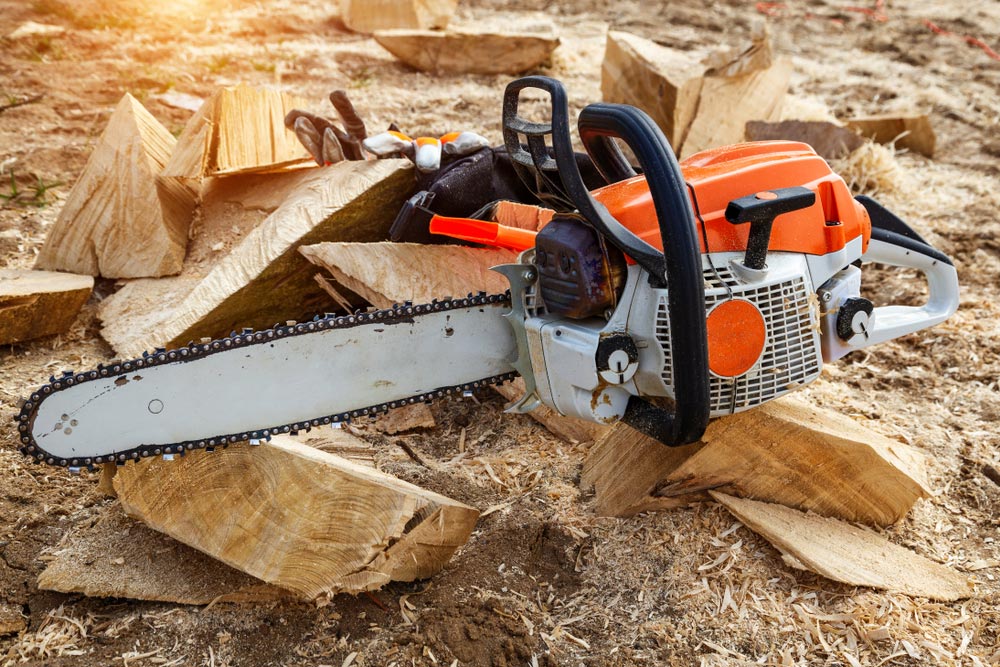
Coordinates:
[487,233]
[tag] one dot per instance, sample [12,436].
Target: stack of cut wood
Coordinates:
[208,229]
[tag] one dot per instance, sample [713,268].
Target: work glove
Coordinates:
[325,141]
[329,144]
[426,152]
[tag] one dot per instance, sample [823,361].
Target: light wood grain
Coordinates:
[912,131]
[119,221]
[388,273]
[727,103]
[511,51]
[849,554]
[786,451]
[262,279]
[108,555]
[663,82]
[367,16]
[39,303]
[700,100]
[238,129]
[298,517]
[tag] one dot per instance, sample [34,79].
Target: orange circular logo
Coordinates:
[736,337]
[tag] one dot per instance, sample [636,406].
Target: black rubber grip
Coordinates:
[760,210]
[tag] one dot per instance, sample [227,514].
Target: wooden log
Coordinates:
[262,279]
[388,273]
[239,129]
[298,517]
[118,220]
[727,103]
[663,82]
[108,555]
[849,554]
[698,102]
[511,51]
[39,303]
[829,140]
[367,16]
[786,451]
[907,131]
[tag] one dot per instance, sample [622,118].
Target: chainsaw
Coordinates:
[673,294]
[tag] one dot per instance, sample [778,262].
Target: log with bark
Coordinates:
[827,139]
[913,131]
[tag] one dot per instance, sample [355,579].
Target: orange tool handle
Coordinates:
[486,233]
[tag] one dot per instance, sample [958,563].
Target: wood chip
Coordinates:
[843,552]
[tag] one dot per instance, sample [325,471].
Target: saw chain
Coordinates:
[246,338]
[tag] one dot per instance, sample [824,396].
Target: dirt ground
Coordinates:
[543,581]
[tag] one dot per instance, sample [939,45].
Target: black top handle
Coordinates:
[533,158]
[556,170]
[599,125]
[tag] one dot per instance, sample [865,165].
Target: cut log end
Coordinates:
[297,517]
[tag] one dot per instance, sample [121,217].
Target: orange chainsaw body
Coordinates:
[720,175]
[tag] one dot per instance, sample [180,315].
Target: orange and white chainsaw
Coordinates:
[672,295]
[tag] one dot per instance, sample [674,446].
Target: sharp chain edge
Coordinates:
[247,337]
